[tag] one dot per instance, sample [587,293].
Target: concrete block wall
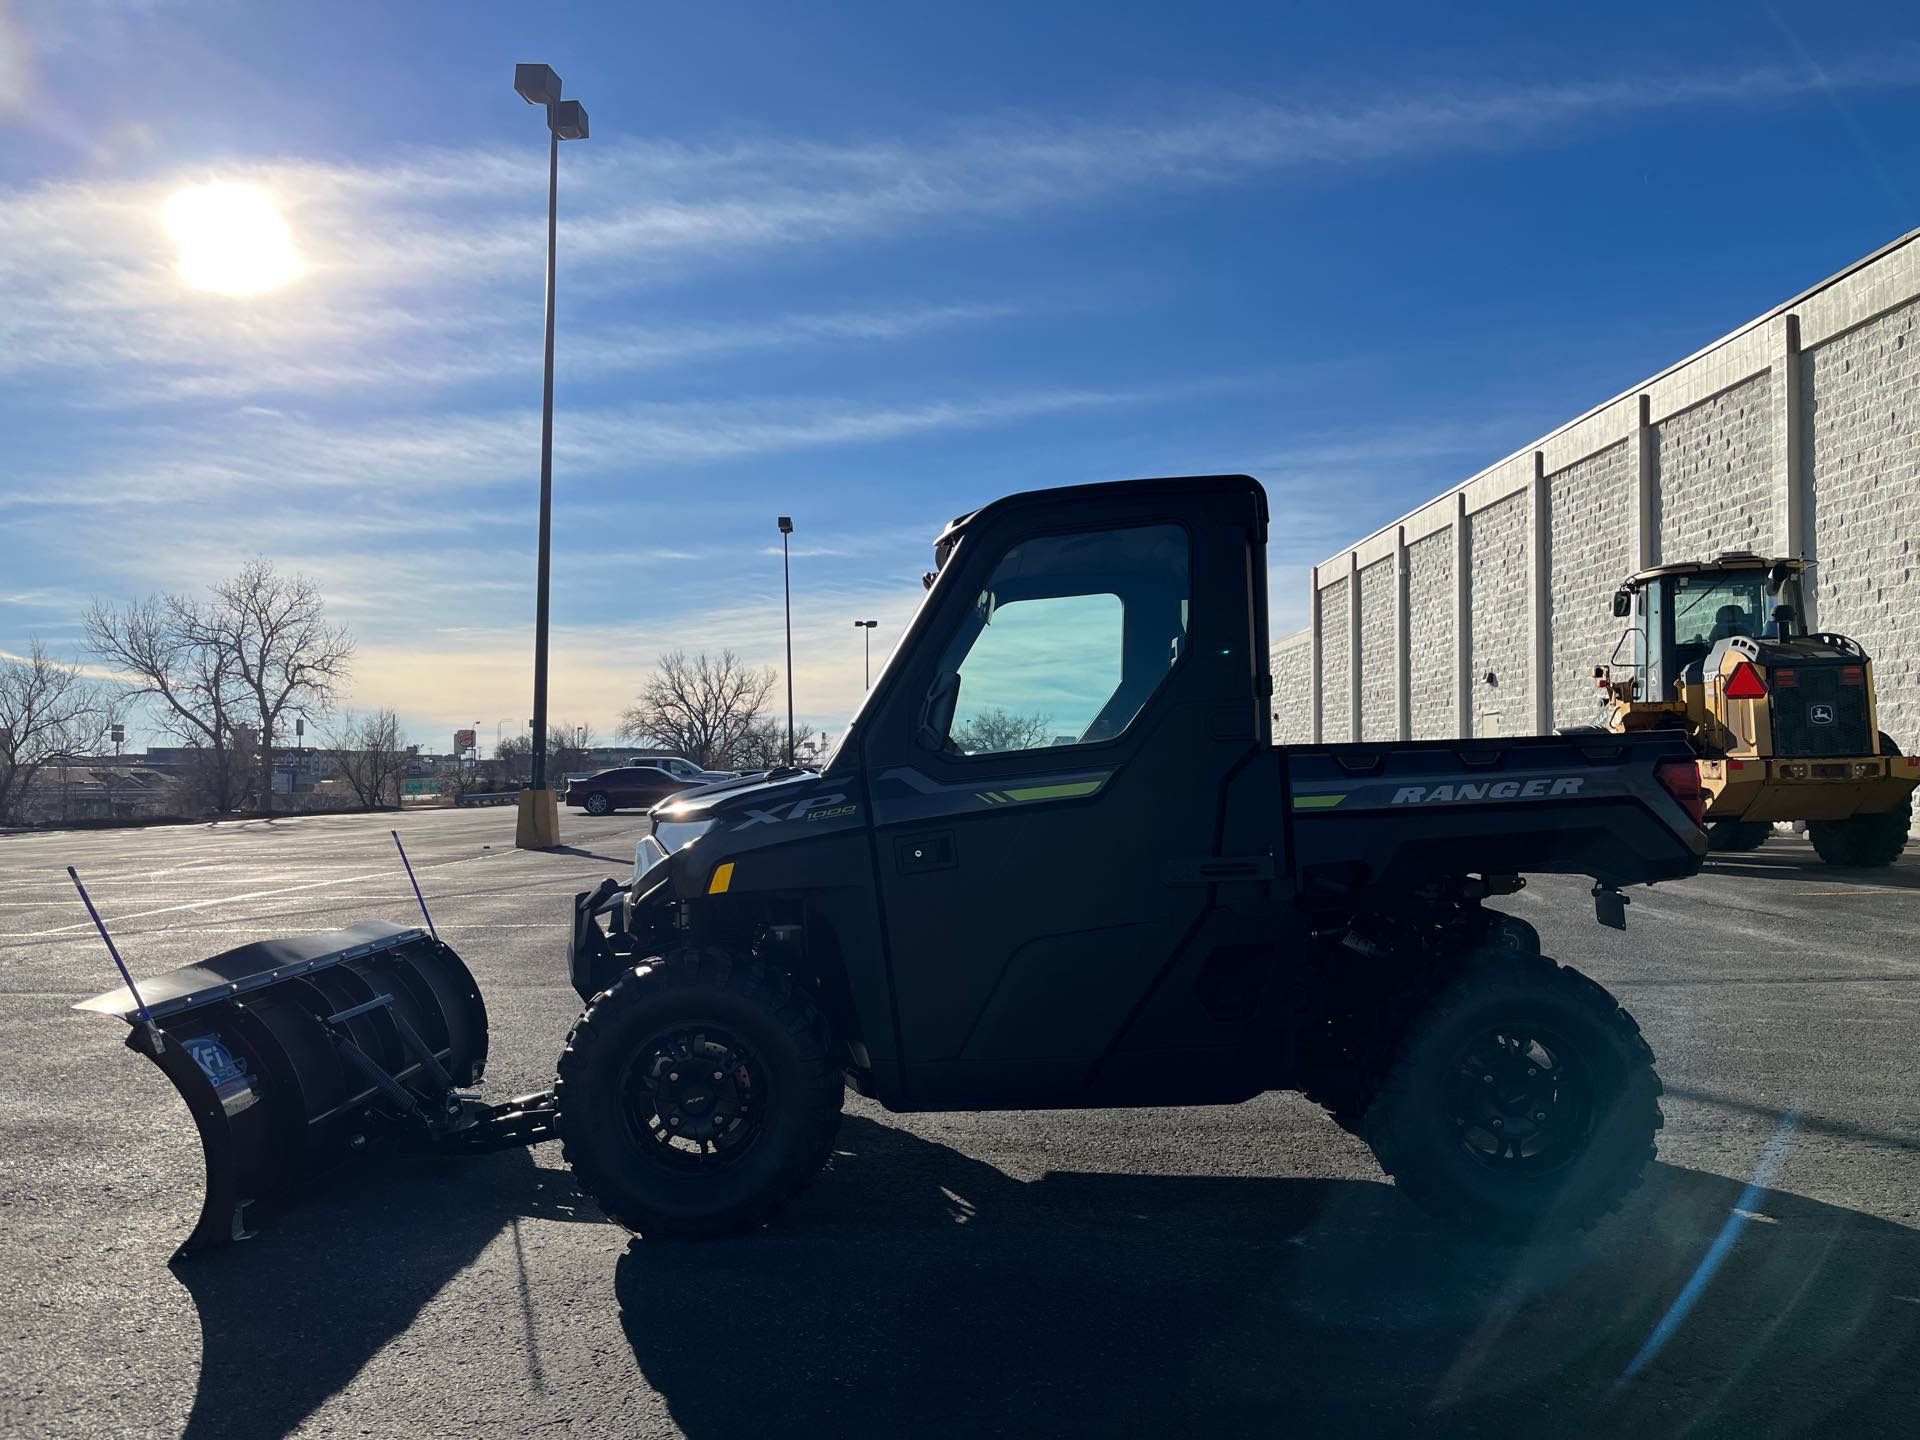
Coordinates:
[1292,682]
[1861,402]
[1591,540]
[1710,474]
[1379,699]
[1499,637]
[1430,636]
[1799,433]
[1334,693]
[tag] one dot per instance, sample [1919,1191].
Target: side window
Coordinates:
[1070,638]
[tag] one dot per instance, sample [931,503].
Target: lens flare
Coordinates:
[231,238]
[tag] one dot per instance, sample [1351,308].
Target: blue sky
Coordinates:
[869,266]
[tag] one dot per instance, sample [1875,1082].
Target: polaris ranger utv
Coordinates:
[1055,862]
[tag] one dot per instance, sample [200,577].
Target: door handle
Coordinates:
[930,851]
[1219,869]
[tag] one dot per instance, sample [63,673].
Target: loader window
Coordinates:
[1070,638]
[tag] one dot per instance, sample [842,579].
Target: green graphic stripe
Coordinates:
[1316,802]
[1055,792]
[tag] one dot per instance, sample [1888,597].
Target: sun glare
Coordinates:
[231,239]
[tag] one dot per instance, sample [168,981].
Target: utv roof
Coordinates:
[1105,490]
[1725,562]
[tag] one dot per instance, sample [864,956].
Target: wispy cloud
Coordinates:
[354,417]
[399,254]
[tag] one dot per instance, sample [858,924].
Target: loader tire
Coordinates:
[1524,1101]
[1736,837]
[698,1095]
[1867,841]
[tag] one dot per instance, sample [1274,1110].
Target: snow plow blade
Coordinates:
[291,1053]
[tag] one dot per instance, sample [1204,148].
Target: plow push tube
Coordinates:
[289,1053]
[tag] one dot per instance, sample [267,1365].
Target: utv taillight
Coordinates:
[1682,780]
[1853,674]
[1745,683]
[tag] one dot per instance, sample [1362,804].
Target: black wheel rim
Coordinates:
[1520,1101]
[695,1099]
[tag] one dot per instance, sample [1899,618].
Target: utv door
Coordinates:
[1048,775]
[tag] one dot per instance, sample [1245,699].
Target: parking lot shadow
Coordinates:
[292,1315]
[916,1291]
[1799,865]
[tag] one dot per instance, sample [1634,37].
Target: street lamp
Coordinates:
[786,584]
[539,819]
[867,625]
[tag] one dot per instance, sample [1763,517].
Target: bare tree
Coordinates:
[513,757]
[372,754]
[765,746]
[168,650]
[707,708]
[288,658]
[47,710]
[995,731]
[568,748]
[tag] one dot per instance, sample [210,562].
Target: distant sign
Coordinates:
[463,740]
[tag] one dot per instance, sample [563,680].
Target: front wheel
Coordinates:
[698,1095]
[1733,837]
[1524,1101]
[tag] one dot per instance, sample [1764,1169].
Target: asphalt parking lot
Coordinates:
[1230,1271]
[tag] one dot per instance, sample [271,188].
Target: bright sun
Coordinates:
[231,239]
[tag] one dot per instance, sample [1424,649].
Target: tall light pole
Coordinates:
[786,584]
[867,626]
[539,822]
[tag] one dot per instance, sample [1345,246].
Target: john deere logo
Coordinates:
[1820,714]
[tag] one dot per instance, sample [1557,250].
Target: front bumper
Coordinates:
[1826,788]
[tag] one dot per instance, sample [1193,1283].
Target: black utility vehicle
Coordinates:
[1057,862]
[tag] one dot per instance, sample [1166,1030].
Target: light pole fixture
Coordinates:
[867,626]
[786,585]
[539,819]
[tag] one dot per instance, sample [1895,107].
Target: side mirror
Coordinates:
[1622,604]
[936,711]
[1777,576]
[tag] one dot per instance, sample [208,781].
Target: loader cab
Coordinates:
[1678,613]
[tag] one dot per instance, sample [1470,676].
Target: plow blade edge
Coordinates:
[289,1053]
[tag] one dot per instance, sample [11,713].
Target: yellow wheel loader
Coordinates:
[1784,721]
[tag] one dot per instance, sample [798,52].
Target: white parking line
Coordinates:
[246,895]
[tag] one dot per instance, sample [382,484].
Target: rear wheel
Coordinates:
[1867,841]
[1524,1101]
[698,1095]
[1729,837]
[599,803]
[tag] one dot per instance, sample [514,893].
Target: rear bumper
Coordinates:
[1828,788]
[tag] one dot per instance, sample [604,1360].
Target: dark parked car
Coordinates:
[625,787]
[682,768]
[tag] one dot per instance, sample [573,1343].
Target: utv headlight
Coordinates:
[667,837]
[678,834]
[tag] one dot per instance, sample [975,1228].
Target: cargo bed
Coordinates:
[1397,815]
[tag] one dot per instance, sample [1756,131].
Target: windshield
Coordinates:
[1710,608]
